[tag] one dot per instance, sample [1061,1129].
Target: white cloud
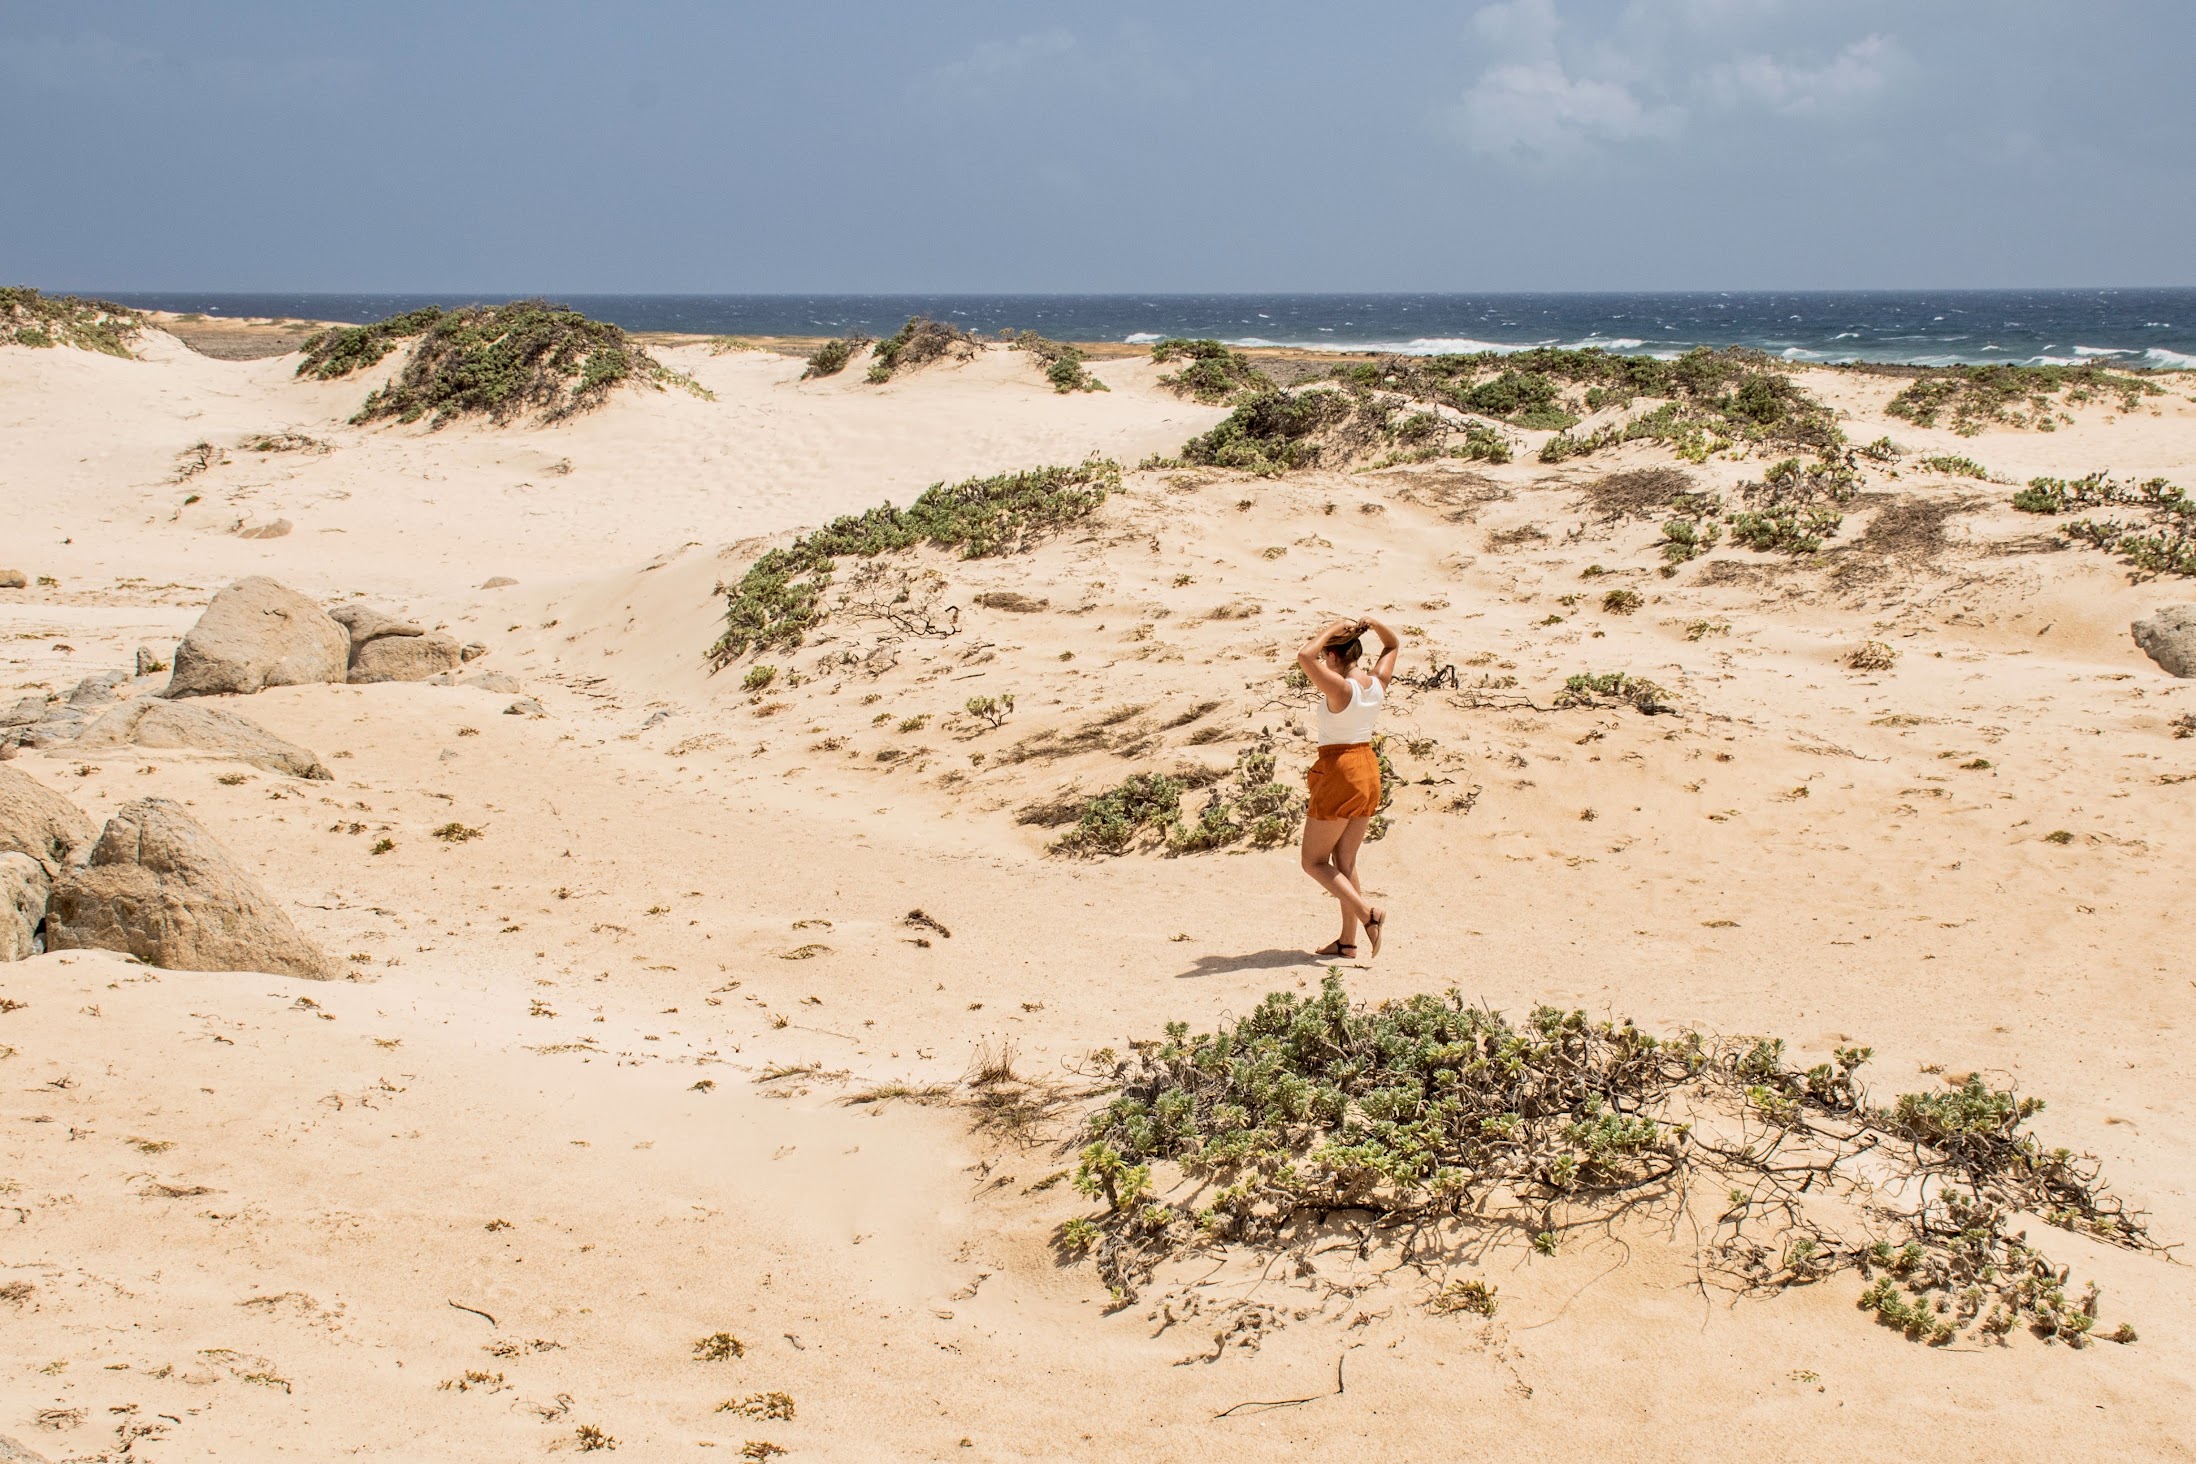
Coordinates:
[994,60]
[1857,73]
[1538,111]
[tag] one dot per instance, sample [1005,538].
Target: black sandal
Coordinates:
[1340,950]
[1373,922]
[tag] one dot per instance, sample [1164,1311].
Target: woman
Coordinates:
[1345,782]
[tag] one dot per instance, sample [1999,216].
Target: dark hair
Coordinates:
[1348,650]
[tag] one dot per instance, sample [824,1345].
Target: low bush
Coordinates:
[1211,372]
[497,361]
[1062,363]
[1956,467]
[1439,1126]
[30,318]
[2161,541]
[1795,507]
[1976,397]
[1872,655]
[1245,805]
[781,595]
[830,358]
[342,349]
[917,344]
[1272,431]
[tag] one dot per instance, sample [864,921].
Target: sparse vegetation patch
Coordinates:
[1437,1126]
[917,344]
[1975,397]
[29,318]
[1210,372]
[497,361]
[1062,363]
[2162,540]
[830,358]
[782,594]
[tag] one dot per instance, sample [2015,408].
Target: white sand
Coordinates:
[344,1148]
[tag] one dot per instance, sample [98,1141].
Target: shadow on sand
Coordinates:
[1273,960]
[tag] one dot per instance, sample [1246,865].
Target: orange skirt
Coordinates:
[1345,782]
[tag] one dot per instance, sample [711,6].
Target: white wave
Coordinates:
[1142,338]
[2167,360]
[2052,361]
[1845,335]
[1610,343]
[2101,351]
[1795,353]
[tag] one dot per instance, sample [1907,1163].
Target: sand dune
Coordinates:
[590,1077]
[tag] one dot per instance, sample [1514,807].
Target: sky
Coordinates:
[706,146]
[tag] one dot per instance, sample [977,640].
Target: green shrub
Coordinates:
[917,344]
[830,358]
[29,318]
[342,349]
[1795,507]
[780,597]
[1444,1125]
[758,678]
[2161,541]
[1211,373]
[1111,822]
[1271,432]
[1956,467]
[1249,806]
[497,361]
[992,711]
[1062,363]
[1978,396]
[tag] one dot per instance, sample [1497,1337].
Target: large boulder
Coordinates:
[37,821]
[384,648]
[159,888]
[24,886]
[148,722]
[258,634]
[2169,638]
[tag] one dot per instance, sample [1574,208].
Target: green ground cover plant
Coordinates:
[1210,372]
[2161,540]
[917,344]
[1245,805]
[1795,507]
[1063,364]
[1975,397]
[496,361]
[1433,1128]
[31,318]
[781,596]
[1956,467]
[1614,688]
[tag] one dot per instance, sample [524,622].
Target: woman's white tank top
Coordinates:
[1354,723]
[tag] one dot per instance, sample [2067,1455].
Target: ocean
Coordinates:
[2138,328]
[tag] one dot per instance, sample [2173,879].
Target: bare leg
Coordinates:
[1345,861]
[1321,837]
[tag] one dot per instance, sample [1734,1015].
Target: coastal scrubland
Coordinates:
[832,937]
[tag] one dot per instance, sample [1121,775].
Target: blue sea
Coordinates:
[2152,328]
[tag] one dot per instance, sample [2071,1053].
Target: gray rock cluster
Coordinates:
[2169,638]
[384,648]
[154,884]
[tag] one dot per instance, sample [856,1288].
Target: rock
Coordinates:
[496,583]
[2169,638]
[30,709]
[384,648]
[97,691]
[258,634]
[12,1452]
[23,890]
[365,623]
[525,706]
[154,723]
[159,888]
[403,658]
[275,530]
[37,821]
[148,663]
[471,651]
[58,723]
[502,683]
[12,579]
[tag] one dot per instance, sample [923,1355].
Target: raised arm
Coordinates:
[1334,687]
[1390,643]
